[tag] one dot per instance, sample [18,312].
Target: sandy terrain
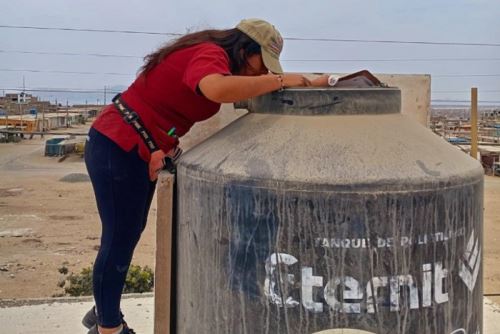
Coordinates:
[491,254]
[46,223]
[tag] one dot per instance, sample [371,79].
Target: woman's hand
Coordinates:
[295,80]
[156,164]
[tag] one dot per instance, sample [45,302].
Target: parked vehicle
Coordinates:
[496,169]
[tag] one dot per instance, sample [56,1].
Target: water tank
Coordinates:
[327,209]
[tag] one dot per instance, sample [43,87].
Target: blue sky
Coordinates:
[441,21]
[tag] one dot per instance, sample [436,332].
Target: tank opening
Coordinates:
[326,101]
[343,331]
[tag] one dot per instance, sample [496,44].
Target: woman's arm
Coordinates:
[321,81]
[232,88]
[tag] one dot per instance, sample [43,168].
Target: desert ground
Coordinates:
[47,223]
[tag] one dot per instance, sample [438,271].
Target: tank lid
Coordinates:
[327,101]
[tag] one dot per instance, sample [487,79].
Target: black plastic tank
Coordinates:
[327,209]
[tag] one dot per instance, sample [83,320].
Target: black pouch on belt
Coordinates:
[169,162]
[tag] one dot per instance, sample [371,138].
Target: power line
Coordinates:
[342,40]
[283,60]
[128,74]
[90,30]
[61,90]
[464,101]
[465,91]
[70,54]
[61,72]
[389,41]
[392,60]
[464,75]
[100,90]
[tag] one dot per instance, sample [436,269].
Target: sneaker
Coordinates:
[90,319]
[125,330]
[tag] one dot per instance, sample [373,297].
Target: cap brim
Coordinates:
[271,63]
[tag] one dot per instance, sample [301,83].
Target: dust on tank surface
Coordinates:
[324,210]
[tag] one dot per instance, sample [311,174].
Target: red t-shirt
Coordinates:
[166,97]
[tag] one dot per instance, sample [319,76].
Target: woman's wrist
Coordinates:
[279,77]
[332,80]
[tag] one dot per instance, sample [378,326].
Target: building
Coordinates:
[22,103]
[91,110]
[44,122]
[24,112]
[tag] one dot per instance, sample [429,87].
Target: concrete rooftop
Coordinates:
[63,315]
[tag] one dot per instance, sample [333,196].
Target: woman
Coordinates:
[180,84]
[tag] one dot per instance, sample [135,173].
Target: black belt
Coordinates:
[132,118]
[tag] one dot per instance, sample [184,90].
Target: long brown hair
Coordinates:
[231,40]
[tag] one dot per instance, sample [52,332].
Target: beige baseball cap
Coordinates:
[269,39]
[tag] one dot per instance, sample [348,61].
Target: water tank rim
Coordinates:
[326,100]
[470,177]
[301,89]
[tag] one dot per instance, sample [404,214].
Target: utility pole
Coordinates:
[57,114]
[445,125]
[473,123]
[6,115]
[19,97]
[21,108]
[67,114]
[104,94]
[43,120]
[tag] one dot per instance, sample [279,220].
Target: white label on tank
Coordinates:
[271,283]
[355,295]
[352,291]
[470,263]
[347,294]
[389,242]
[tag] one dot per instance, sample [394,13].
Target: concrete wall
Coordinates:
[202,130]
[415,94]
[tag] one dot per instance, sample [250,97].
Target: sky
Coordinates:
[29,54]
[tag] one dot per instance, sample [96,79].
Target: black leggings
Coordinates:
[123,193]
